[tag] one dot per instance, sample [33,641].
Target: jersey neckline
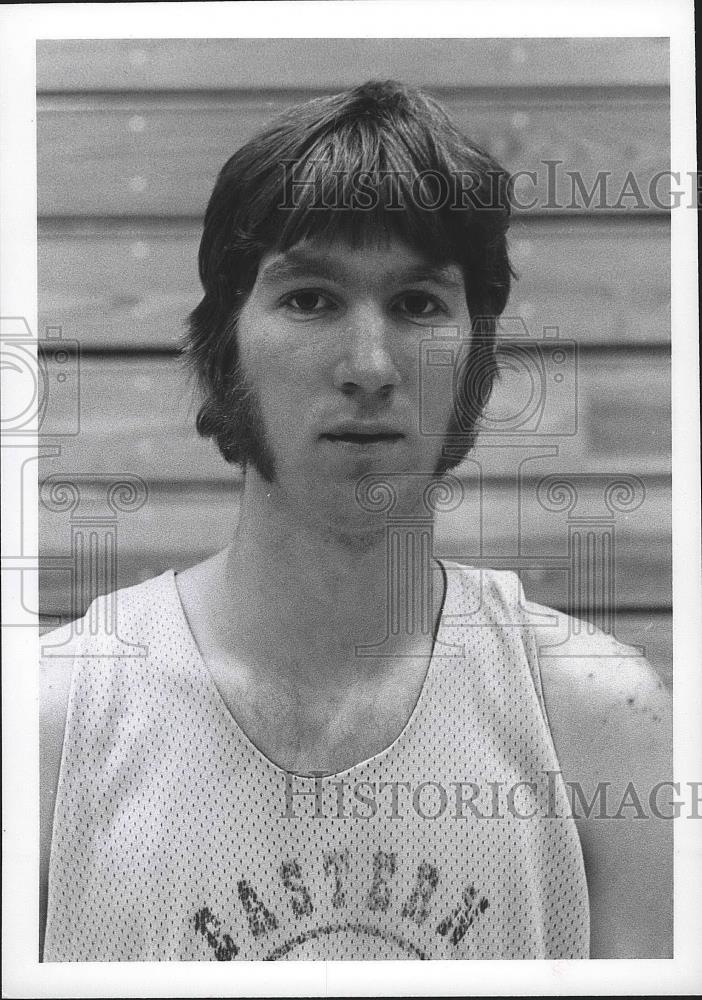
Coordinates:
[248,744]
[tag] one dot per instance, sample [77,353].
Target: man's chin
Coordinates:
[374,495]
[347,460]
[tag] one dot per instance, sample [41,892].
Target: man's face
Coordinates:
[330,342]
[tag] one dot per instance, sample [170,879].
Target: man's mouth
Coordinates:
[361,438]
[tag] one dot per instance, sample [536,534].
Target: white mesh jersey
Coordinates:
[175,839]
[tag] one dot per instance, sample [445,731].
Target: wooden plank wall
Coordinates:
[131,134]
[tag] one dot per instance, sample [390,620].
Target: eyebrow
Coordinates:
[298,264]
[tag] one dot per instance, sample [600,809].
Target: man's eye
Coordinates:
[419,305]
[308,301]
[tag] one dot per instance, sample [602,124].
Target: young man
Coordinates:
[285,773]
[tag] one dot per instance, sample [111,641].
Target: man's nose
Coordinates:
[367,363]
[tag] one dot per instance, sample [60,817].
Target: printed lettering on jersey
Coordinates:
[320,921]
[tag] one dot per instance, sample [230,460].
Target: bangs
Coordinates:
[365,179]
[364,193]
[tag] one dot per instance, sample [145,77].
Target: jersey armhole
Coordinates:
[54,722]
[531,649]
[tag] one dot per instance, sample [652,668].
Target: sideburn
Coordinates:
[248,430]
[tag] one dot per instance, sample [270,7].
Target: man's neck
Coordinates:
[297,597]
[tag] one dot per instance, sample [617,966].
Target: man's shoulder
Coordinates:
[108,628]
[605,703]
[603,699]
[568,647]
[105,614]
[588,668]
[610,717]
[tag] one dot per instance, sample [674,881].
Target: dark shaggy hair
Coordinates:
[378,161]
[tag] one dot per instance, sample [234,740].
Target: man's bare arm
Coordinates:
[611,719]
[55,681]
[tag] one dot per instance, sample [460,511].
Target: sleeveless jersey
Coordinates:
[175,838]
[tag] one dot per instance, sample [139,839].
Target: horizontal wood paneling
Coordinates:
[147,154]
[138,415]
[178,527]
[131,284]
[224,63]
